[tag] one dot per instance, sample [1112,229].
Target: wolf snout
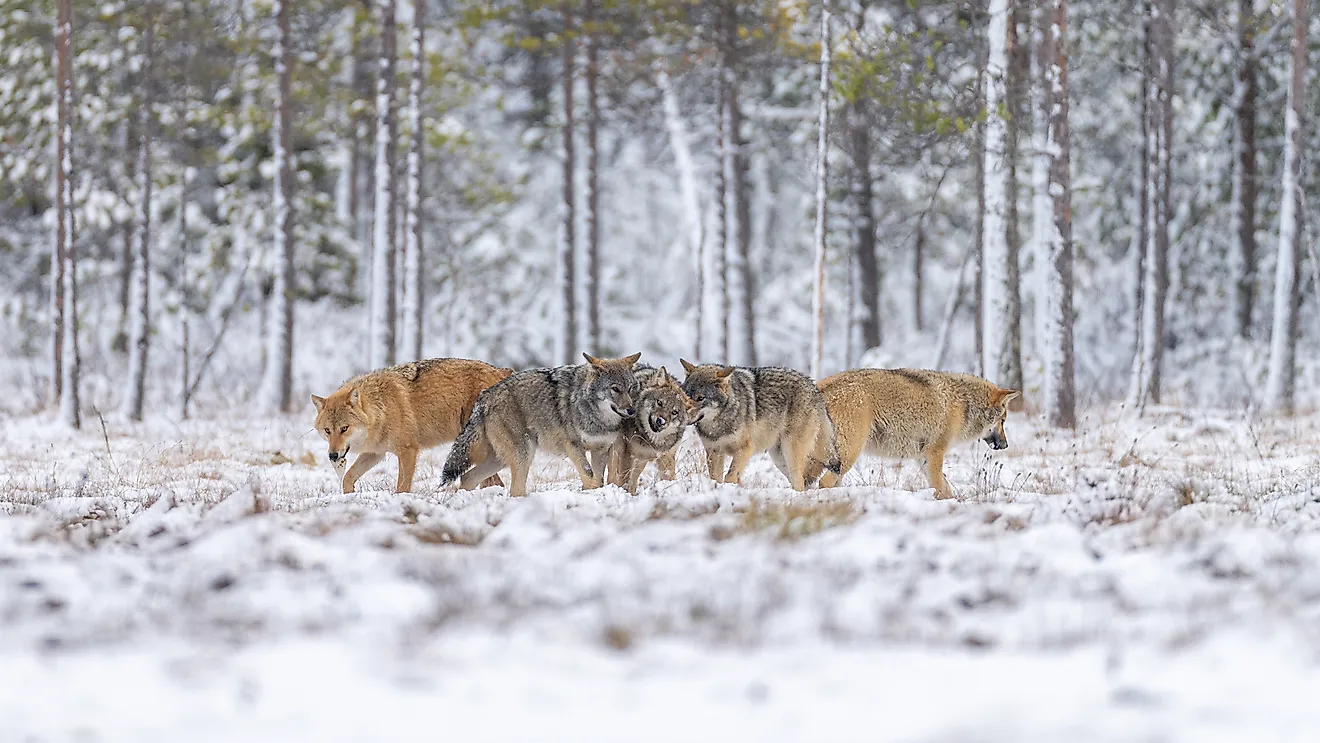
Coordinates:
[658,423]
[334,456]
[627,412]
[996,441]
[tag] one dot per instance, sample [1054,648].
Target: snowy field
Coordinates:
[1144,580]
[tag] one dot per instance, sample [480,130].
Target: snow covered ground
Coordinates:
[1145,579]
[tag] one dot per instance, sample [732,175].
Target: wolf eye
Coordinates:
[616,389]
[344,429]
[327,431]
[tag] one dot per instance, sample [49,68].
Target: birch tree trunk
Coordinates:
[185,302]
[996,289]
[593,185]
[721,247]
[1018,71]
[740,192]
[277,386]
[978,233]
[68,364]
[1244,175]
[567,210]
[1060,381]
[688,190]
[822,194]
[384,302]
[1143,231]
[1042,207]
[413,299]
[1280,386]
[140,336]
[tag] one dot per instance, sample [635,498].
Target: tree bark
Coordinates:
[63,189]
[996,287]
[1018,72]
[1060,377]
[1244,180]
[68,363]
[978,233]
[567,209]
[721,255]
[918,274]
[140,341]
[414,246]
[687,180]
[384,300]
[1143,231]
[593,184]
[868,268]
[1159,211]
[822,194]
[1280,386]
[277,385]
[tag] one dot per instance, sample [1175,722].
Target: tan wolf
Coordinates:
[576,411]
[742,411]
[654,433]
[911,414]
[400,410]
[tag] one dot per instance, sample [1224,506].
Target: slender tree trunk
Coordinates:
[185,304]
[413,299]
[1159,212]
[1018,71]
[1244,176]
[119,343]
[1060,377]
[63,191]
[978,234]
[687,181]
[68,360]
[868,268]
[1042,208]
[346,184]
[995,290]
[567,212]
[278,382]
[593,185]
[1280,386]
[140,344]
[1141,247]
[384,302]
[721,246]
[918,273]
[742,202]
[822,194]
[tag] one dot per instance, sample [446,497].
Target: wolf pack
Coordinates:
[611,417]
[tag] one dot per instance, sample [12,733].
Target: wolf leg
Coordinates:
[483,473]
[364,462]
[776,453]
[585,471]
[668,465]
[715,465]
[741,456]
[616,469]
[520,466]
[635,467]
[935,472]
[407,466]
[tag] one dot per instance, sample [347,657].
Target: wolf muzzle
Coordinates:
[658,423]
[336,456]
[996,441]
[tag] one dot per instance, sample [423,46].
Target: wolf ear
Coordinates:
[664,375]
[592,359]
[630,360]
[724,372]
[1004,397]
[354,399]
[687,368]
[319,402]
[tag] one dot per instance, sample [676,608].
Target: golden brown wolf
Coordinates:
[400,410]
[911,414]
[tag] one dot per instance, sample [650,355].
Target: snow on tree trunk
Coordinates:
[1060,382]
[978,231]
[67,361]
[1142,239]
[1244,175]
[277,382]
[822,194]
[688,190]
[384,300]
[593,187]
[568,341]
[413,300]
[1042,208]
[140,335]
[1280,386]
[864,238]
[1160,177]
[1018,70]
[999,290]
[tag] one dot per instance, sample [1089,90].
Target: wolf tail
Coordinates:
[460,455]
[832,462]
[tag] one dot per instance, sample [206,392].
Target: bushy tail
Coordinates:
[832,463]
[460,455]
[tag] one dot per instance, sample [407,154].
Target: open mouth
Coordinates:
[658,423]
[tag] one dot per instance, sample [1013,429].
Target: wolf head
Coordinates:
[987,416]
[663,405]
[708,386]
[340,422]
[613,386]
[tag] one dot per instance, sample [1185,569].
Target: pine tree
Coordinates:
[277,385]
[414,255]
[593,180]
[384,301]
[68,363]
[822,194]
[567,208]
[1002,308]
[1244,174]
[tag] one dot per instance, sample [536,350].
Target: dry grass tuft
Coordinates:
[798,518]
